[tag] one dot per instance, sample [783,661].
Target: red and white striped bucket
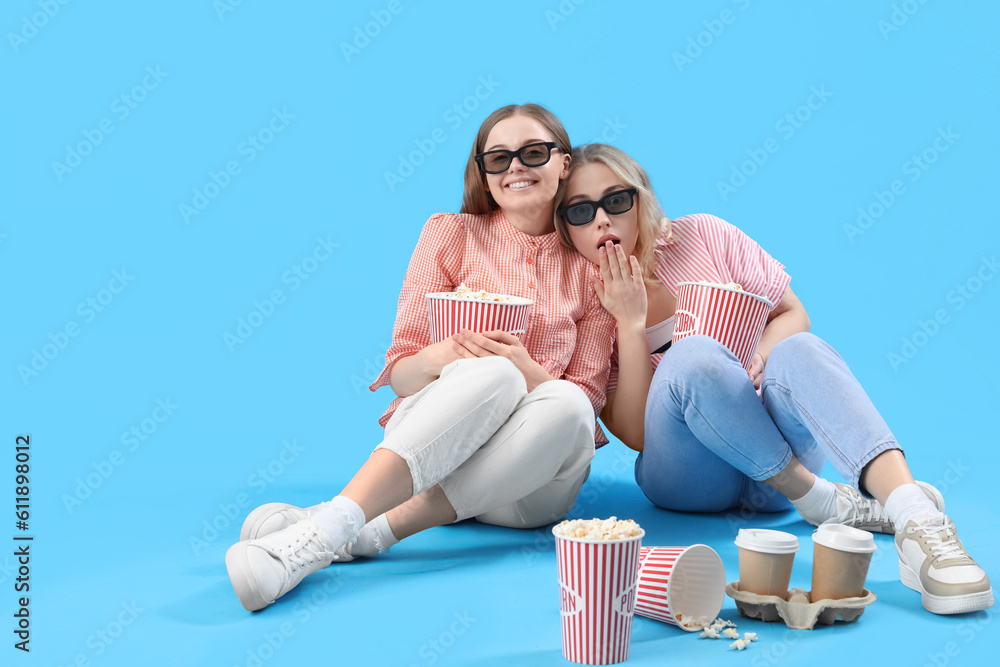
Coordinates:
[448,315]
[597,587]
[733,317]
[680,581]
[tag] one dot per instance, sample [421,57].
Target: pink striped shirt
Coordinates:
[568,331]
[709,248]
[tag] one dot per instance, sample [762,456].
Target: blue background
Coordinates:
[127,562]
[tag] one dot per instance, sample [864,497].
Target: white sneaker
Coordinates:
[264,569]
[272,517]
[933,561]
[856,511]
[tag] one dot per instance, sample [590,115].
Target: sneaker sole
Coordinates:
[252,524]
[238,568]
[940,604]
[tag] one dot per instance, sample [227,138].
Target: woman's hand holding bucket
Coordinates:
[467,345]
[756,370]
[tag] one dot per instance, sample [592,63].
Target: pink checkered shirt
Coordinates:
[568,332]
[710,249]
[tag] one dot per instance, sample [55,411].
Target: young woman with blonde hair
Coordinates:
[713,436]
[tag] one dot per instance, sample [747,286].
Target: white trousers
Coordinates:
[500,454]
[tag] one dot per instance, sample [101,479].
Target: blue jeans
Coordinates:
[710,440]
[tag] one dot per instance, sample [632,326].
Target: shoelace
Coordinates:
[863,511]
[306,553]
[941,549]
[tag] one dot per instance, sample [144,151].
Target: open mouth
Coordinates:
[520,184]
[608,237]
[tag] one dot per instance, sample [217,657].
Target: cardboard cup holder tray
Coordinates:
[798,611]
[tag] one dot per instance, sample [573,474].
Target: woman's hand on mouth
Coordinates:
[621,288]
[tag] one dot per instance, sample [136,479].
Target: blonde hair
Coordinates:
[651,218]
[476,198]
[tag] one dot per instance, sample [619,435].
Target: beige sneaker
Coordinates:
[933,561]
[264,569]
[856,511]
[272,517]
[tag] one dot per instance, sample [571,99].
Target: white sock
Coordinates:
[819,504]
[341,519]
[907,502]
[374,538]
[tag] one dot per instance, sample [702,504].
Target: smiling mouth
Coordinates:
[519,185]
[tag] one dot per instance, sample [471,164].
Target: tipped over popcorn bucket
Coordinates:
[447,315]
[733,317]
[597,589]
[680,585]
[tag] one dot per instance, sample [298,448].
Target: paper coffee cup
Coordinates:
[597,587]
[841,556]
[447,315]
[766,558]
[680,583]
[733,317]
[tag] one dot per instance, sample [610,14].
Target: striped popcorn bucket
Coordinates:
[680,583]
[733,317]
[448,315]
[597,584]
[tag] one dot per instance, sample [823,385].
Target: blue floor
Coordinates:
[456,595]
[208,210]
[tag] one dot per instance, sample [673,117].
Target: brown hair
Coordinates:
[651,219]
[477,198]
